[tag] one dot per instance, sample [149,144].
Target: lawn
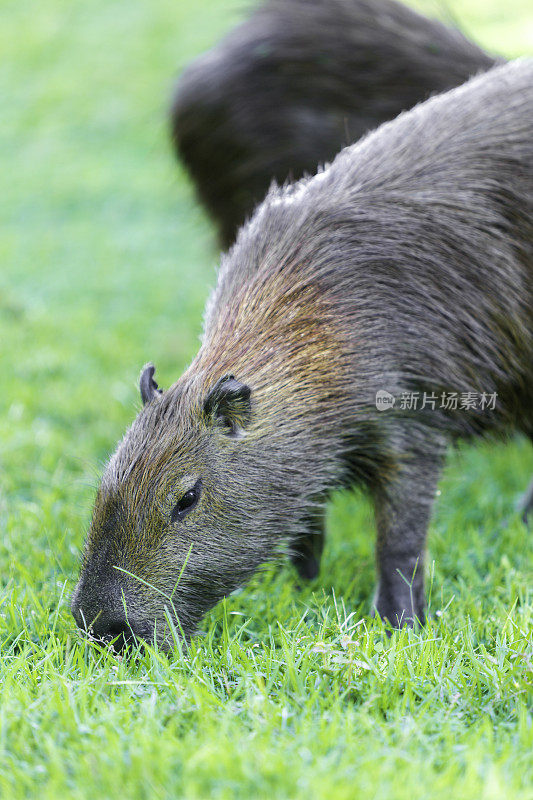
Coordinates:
[105,263]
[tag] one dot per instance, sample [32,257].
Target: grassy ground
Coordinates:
[105,264]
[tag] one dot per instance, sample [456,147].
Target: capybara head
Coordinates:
[173,527]
[184,514]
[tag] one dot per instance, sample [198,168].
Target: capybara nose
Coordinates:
[108,626]
[114,627]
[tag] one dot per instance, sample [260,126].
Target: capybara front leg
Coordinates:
[403,508]
[306,551]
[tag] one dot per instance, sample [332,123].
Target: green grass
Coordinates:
[105,263]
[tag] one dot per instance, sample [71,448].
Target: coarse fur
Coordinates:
[296,82]
[405,266]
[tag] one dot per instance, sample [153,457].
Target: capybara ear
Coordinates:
[147,385]
[229,403]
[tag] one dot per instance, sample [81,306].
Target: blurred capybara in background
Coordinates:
[300,79]
[365,318]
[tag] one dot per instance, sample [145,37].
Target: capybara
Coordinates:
[296,82]
[365,318]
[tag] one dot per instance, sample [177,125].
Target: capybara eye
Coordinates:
[185,503]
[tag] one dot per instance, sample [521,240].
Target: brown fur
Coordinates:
[406,266]
[297,81]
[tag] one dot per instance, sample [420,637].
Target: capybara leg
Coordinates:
[526,505]
[403,509]
[306,551]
